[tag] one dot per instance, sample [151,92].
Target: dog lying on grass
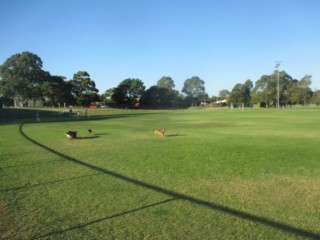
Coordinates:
[159,132]
[71,134]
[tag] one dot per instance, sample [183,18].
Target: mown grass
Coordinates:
[218,174]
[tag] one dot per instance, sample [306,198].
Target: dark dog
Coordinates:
[71,134]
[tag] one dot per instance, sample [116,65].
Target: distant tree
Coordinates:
[284,82]
[109,92]
[223,94]
[55,90]
[153,97]
[186,101]
[246,89]
[236,95]
[5,101]
[158,97]
[194,87]
[266,89]
[306,92]
[306,81]
[166,82]
[174,99]
[316,97]
[203,98]
[262,91]
[293,93]
[21,76]
[86,99]
[240,94]
[128,92]
[83,88]
[68,98]
[106,97]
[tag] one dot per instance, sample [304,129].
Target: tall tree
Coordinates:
[154,97]
[246,90]
[284,82]
[21,76]
[261,92]
[316,97]
[293,93]
[240,93]
[158,97]
[236,95]
[223,94]
[106,97]
[166,82]
[56,91]
[109,92]
[83,88]
[306,92]
[128,92]
[5,101]
[266,89]
[194,87]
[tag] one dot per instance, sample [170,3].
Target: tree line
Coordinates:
[22,80]
[271,90]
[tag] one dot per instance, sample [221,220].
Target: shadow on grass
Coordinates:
[100,134]
[103,219]
[30,164]
[175,195]
[86,138]
[176,135]
[46,183]
[13,116]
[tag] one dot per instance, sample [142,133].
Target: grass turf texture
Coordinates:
[217,174]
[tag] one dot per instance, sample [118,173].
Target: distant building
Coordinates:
[222,101]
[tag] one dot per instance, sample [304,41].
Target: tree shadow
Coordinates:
[211,205]
[31,163]
[47,183]
[12,116]
[82,225]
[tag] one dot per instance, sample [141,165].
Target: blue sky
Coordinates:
[223,42]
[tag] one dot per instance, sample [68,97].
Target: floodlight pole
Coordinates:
[278,97]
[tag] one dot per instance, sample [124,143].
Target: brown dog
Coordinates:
[159,132]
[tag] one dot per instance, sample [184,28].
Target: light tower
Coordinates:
[278,94]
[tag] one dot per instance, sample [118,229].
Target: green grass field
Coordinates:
[217,174]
